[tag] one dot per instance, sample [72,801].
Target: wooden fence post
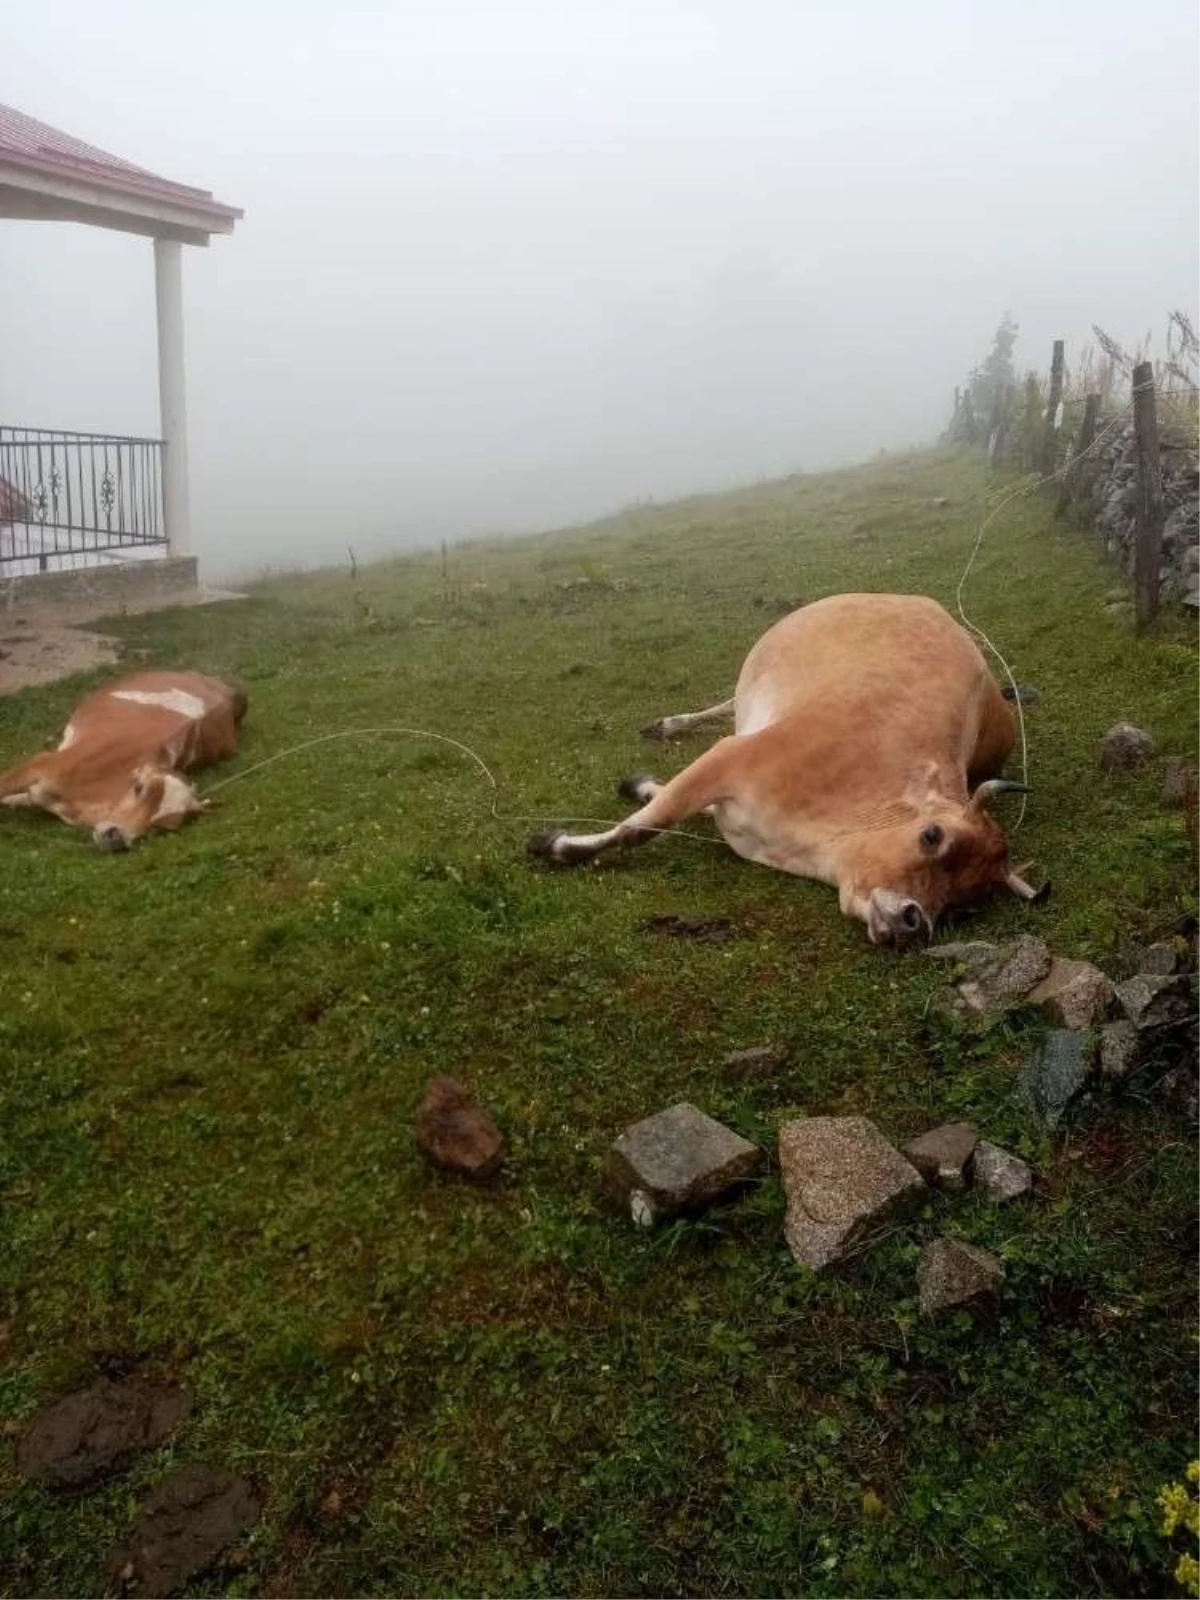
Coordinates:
[1087,437]
[1148,550]
[1029,422]
[1056,389]
[1003,422]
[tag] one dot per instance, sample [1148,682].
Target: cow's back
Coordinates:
[864,659]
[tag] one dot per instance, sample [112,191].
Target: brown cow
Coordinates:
[868,735]
[117,767]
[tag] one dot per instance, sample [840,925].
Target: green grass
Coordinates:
[213,1047]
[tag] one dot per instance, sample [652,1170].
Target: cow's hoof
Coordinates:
[655,730]
[555,849]
[1042,895]
[633,787]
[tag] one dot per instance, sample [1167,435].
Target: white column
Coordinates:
[172,403]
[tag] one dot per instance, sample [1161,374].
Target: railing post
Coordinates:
[1148,550]
[1087,437]
[171,396]
[1056,388]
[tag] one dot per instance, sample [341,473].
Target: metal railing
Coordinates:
[77,499]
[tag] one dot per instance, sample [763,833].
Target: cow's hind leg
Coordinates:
[660,807]
[685,721]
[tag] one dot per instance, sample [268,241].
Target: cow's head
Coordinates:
[155,797]
[904,877]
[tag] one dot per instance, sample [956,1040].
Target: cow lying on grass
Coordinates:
[868,735]
[117,767]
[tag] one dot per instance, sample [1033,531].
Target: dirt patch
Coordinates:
[32,653]
[90,1433]
[706,930]
[182,1528]
[40,644]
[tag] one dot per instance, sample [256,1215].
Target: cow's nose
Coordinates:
[909,923]
[111,838]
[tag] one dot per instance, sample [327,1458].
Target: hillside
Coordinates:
[213,1048]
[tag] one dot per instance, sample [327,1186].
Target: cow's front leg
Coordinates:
[710,779]
[16,784]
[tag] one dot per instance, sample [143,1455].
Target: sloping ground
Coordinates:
[213,1049]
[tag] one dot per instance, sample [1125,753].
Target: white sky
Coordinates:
[511,264]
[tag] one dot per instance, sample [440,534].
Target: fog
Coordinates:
[507,265]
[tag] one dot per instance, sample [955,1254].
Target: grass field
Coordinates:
[213,1047]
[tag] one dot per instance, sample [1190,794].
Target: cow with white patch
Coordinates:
[119,765]
[868,735]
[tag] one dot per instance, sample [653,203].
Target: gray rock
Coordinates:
[1152,1001]
[1119,1046]
[760,1061]
[1013,971]
[1125,746]
[1074,994]
[998,1174]
[1054,1077]
[1159,960]
[1179,1089]
[1024,693]
[678,1160]
[970,954]
[952,1273]
[841,1178]
[942,1155]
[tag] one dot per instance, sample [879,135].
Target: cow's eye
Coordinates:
[139,788]
[931,838]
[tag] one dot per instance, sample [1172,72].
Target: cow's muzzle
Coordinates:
[897,920]
[110,837]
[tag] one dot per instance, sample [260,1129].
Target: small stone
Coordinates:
[940,500]
[1152,1001]
[85,1435]
[1118,1049]
[453,1131]
[1074,994]
[1179,1089]
[1179,782]
[678,1160]
[1159,960]
[1125,746]
[759,1061]
[1022,693]
[998,1174]
[942,1155]
[1055,1076]
[952,1273]
[182,1528]
[1014,970]
[841,1178]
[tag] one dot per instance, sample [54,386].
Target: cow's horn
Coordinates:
[1017,884]
[994,786]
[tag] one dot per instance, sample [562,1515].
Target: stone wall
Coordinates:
[100,587]
[1110,490]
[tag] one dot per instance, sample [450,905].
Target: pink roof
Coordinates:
[41,148]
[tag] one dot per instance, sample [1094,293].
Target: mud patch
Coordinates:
[706,930]
[182,1528]
[90,1433]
